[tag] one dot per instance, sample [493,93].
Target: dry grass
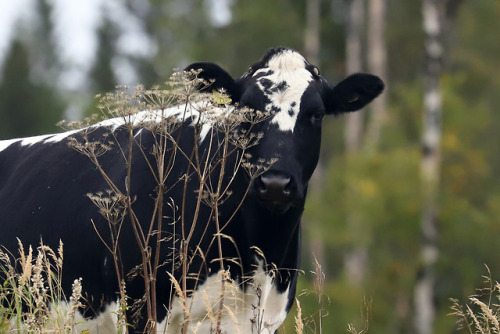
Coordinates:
[299,323]
[365,318]
[31,294]
[482,313]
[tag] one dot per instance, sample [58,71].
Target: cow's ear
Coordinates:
[219,78]
[353,93]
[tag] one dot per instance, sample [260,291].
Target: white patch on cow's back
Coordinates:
[287,70]
[6,143]
[261,309]
[192,112]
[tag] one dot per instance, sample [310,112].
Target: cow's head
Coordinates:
[293,90]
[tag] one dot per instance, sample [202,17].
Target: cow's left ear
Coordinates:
[353,93]
[221,79]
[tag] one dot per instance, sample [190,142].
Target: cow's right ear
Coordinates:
[221,80]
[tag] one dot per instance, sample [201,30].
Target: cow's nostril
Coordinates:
[274,188]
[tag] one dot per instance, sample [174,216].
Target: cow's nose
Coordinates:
[274,188]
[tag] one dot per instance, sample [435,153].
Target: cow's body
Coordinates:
[44,185]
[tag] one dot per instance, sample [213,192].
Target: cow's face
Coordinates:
[293,91]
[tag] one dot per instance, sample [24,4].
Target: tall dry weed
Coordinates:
[482,313]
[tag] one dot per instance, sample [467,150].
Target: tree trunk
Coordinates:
[312,31]
[377,64]
[355,260]
[430,166]
[312,48]
[354,63]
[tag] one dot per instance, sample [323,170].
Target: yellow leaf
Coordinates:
[220,98]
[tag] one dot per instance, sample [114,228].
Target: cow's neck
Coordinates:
[276,237]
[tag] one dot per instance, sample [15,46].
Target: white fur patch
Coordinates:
[192,112]
[289,79]
[287,60]
[104,323]
[261,309]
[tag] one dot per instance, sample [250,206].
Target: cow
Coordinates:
[243,251]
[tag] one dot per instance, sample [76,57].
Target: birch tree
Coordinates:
[425,310]
[355,259]
[354,63]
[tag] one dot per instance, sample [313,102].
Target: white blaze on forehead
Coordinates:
[287,60]
[284,82]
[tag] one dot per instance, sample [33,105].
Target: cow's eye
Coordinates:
[317,116]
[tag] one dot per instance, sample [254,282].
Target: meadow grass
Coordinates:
[33,301]
[31,297]
[481,314]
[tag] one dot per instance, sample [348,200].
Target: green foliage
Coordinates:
[237,51]
[102,75]
[383,190]
[384,194]
[26,107]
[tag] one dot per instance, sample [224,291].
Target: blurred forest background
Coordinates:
[404,209]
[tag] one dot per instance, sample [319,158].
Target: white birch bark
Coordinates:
[425,310]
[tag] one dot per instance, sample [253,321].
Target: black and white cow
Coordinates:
[43,187]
